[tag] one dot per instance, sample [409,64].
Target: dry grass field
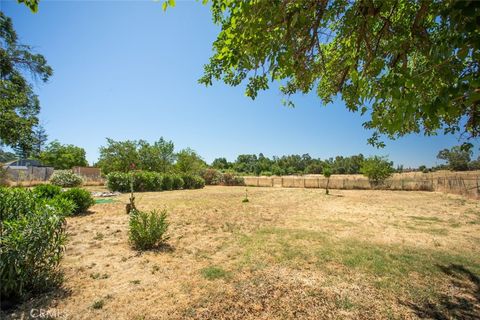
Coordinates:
[288,253]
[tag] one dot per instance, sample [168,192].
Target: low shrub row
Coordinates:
[152,181]
[215,177]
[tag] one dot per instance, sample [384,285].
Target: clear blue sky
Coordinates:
[128,70]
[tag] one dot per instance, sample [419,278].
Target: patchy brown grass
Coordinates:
[288,253]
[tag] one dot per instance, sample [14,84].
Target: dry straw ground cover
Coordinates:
[288,253]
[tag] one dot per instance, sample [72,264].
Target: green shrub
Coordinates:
[177,182]
[167,182]
[213,273]
[148,229]
[377,169]
[46,191]
[32,242]
[66,179]
[143,181]
[81,197]
[230,179]
[118,181]
[212,177]
[146,181]
[193,182]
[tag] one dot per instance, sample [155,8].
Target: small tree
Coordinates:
[377,169]
[457,158]
[327,172]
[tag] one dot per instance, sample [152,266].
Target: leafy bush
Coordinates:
[212,177]
[167,182]
[47,191]
[146,181]
[192,182]
[230,179]
[81,197]
[148,229]
[377,169]
[118,181]
[66,179]
[32,242]
[177,182]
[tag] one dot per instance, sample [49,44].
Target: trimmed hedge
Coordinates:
[152,181]
[118,181]
[192,182]
[177,182]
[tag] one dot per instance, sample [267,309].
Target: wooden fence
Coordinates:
[462,183]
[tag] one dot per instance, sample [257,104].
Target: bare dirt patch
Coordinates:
[288,253]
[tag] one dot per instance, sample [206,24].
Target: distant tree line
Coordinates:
[456,159]
[290,164]
[160,156]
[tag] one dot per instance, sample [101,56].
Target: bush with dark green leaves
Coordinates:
[152,181]
[230,179]
[192,182]
[80,197]
[118,181]
[146,181]
[177,182]
[167,182]
[47,191]
[32,242]
[66,179]
[148,229]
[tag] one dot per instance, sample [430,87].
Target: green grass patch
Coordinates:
[390,263]
[422,218]
[102,201]
[344,303]
[436,231]
[213,273]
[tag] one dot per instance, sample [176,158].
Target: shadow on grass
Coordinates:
[83,214]
[335,195]
[462,302]
[162,248]
[45,300]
